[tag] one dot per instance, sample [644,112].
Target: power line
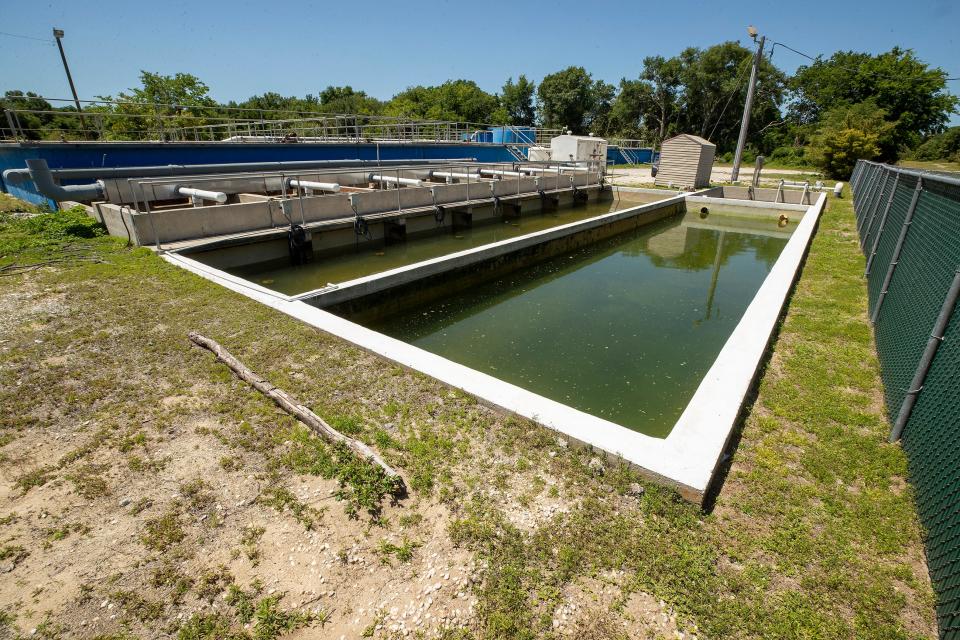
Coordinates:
[852,69]
[17,35]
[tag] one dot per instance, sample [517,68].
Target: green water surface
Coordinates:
[624,329]
[374,257]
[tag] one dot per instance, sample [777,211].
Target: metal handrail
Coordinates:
[216,127]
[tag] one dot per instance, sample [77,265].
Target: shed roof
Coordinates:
[692,137]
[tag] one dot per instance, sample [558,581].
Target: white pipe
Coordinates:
[500,172]
[554,170]
[410,182]
[453,174]
[540,170]
[317,186]
[218,196]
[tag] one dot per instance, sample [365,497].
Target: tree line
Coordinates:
[829,113]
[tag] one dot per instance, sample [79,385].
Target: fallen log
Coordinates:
[302,413]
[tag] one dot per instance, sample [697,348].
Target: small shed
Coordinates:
[686,161]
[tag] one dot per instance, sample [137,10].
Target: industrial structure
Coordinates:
[140,143]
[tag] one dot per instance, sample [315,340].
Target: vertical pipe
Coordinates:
[895,258]
[923,367]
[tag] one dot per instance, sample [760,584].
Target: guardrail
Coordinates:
[176,123]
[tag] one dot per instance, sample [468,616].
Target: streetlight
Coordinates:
[58,34]
[748,105]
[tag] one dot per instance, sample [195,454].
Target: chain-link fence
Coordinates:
[909,228]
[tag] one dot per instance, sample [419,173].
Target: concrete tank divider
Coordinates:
[263,213]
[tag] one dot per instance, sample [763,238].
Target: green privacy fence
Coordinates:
[908,223]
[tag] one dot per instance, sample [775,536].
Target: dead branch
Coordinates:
[288,404]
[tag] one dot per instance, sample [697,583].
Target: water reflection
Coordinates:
[624,329]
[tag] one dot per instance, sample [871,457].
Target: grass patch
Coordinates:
[88,481]
[163,532]
[402,552]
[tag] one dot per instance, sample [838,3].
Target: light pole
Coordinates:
[748,105]
[58,34]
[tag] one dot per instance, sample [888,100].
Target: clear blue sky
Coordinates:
[240,48]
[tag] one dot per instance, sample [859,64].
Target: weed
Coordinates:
[136,463]
[371,628]
[137,606]
[197,493]
[12,554]
[250,537]
[35,478]
[88,481]
[168,576]
[212,626]
[282,500]
[403,552]
[163,532]
[212,582]
[55,534]
[140,506]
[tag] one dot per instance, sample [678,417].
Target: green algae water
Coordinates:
[624,329]
[376,257]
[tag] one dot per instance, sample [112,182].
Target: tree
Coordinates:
[571,99]
[940,146]
[516,100]
[645,107]
[37,119]
[460,100]
[912,95]
[163,106]
[346,100]
[663,78]
[847,133]
[714,88]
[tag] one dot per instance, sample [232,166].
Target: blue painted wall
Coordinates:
[616,156]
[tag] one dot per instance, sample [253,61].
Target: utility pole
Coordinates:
[745,123]
[58,33]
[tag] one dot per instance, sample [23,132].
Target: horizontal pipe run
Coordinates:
[555,169]
[217,196]
[501,172]
[316,186]
[407,182]
[19,176]
[454,174]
